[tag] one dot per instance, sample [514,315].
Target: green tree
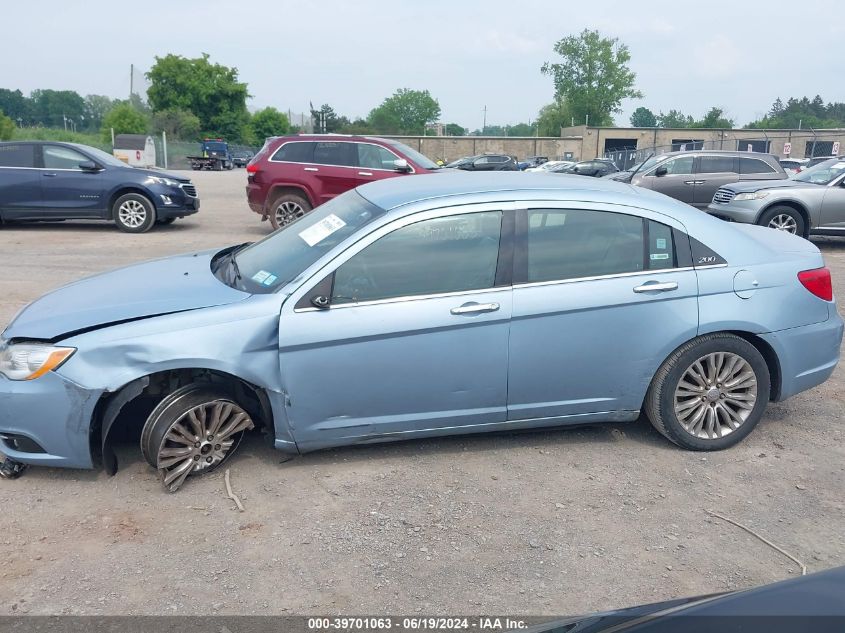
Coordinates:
[675,119]
[268,122]
[405,112]
[96,108]
[358,126]
[15,105]
[210,91]
[7,127]
[53,108]
[453,129]
[177,124]
[553,117]
[522,129]
[326,120]
[124,119]
[593,76]
[715,118]
[643,117]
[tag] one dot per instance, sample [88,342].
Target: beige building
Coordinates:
[627,144]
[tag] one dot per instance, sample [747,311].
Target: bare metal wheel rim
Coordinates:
[784,222]
[288,211]
[132,213]
[715,395]
[200,439]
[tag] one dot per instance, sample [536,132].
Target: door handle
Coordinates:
[311,169]
[689,182]
[694,182]
[49,175]
[475,308]
[365,173]
[653,286]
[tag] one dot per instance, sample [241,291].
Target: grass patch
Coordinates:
[54,134]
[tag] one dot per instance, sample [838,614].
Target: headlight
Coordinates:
[752,195]
[28,361]
[164,181]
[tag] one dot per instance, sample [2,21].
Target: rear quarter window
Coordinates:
[755,166]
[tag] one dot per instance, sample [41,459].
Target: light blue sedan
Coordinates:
[426,306]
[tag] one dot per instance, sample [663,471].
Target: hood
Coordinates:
[160,173]
[757,185]
[163,286]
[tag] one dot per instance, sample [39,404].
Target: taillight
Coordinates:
[252,168]
[818,282]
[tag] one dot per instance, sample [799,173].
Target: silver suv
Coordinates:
[695,176]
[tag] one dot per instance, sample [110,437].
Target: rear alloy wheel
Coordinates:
[784,219]
[133,213]
[710,393]
[287,208]
[192,431]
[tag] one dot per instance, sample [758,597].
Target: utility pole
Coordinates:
[484,125]
[131,80]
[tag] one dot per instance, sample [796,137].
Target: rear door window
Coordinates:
[295,152]
[17,155]
[335,153]
[756,166]
[716,164]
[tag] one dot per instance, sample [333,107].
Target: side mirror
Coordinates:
[89,165]
[320,302]
[401,165]
[661,171]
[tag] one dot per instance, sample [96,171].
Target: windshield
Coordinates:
[282,256]
[102,157]
[215,147]
[420,159]
[648,164]
[823,173]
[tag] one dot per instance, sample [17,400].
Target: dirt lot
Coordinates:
[536,523]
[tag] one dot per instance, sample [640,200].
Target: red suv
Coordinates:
[293,174]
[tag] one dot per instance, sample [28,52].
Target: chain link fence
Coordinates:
[797,145]
[178,152]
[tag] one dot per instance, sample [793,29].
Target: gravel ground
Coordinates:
[558,522]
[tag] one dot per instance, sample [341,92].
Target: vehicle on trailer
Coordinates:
[46,181]
[291,175]
[426,306]
[809,203]
[214,156]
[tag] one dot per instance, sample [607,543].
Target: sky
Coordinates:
[737,55]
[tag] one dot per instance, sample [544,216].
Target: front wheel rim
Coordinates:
[784,222]
[716,395]
[288,211]
[200,439]
[132,214]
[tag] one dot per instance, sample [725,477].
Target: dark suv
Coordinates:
[291,175]
[485,162]
[43,181]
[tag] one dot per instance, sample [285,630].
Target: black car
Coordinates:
[485,162]
[43,181]
[597,168]
[242,158]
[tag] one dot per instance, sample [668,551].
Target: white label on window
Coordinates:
[659,256]
[316,233]
[261,276]
[661,242]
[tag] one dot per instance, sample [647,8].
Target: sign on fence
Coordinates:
[787,149]
[835,150]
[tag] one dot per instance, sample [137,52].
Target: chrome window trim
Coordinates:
[554,282]
[296,162]
[405,299]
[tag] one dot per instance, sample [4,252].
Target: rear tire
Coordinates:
[710,393]
[785,219]
[287,207]
[192,431]
[133,213]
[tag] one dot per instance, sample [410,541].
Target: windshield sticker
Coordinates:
[316,233]
[269,281]
[659,256]
[261,276]
[838,166]
[661,242]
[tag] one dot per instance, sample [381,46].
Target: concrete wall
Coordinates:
[585,142]
[450,148]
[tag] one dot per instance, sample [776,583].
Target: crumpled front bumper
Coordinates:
[54,413]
